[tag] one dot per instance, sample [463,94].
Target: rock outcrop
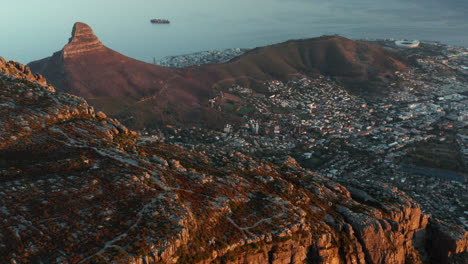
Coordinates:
[79,187]
[83,42]
[20,71]
[145,95]
[447,245]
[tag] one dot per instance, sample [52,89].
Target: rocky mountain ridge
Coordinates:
[146,95]
[79,187]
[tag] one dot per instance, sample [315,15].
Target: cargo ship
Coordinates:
[160,21]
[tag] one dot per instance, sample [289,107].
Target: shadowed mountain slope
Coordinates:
[143,94]
[86,67]
[352,62]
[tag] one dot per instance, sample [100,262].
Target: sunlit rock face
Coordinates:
[83,41]
[79,187]
[13,68]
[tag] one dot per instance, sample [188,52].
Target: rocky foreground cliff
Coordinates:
[79,187]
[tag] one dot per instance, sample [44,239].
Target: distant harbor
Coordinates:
[160,21]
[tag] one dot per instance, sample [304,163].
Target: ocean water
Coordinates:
[34,29]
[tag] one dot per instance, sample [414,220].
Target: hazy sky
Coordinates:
[33,29]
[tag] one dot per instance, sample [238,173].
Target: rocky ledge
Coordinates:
[78,187]
[19,71]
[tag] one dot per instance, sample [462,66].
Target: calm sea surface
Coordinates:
[33,29]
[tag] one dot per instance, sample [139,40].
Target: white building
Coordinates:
[407,43]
